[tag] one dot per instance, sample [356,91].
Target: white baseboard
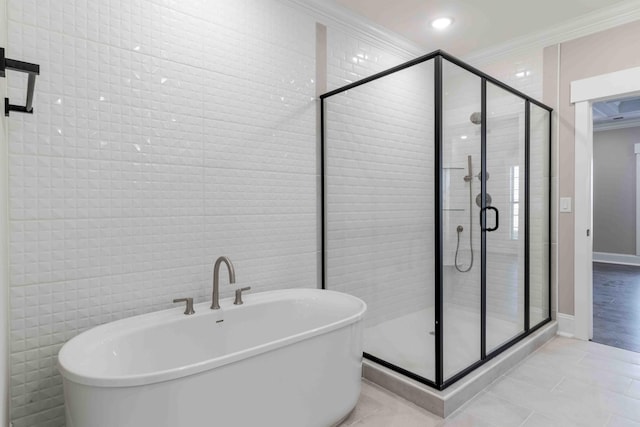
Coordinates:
[616,258]
[566,325]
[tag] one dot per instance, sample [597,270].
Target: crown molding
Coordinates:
[590,23]
[332,14]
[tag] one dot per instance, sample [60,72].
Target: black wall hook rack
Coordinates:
[24,67]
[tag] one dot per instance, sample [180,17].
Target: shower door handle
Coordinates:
[497,218]
[483,211]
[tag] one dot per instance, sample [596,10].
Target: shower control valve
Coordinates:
[189,306]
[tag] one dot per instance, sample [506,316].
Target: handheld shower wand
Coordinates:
[468,178]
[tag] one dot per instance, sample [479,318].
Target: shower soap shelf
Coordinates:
[24,67]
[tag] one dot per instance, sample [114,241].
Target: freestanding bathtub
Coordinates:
[288,358]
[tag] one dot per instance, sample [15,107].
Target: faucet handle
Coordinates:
[238,300]
[189,309]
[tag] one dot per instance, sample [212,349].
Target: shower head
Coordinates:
[476,118]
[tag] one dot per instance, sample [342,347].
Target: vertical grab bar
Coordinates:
[31,86]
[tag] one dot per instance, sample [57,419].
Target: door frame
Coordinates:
[584,93]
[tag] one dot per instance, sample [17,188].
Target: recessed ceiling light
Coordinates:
[463,137]
[441,23]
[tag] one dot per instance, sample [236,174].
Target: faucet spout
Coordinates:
[216,275]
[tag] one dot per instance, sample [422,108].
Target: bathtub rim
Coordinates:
[66,358]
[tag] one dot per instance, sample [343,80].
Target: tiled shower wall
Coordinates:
[379,178]
[375,134]
[378,230]
[522,71]
[166,133]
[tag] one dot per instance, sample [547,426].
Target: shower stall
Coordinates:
[436,212]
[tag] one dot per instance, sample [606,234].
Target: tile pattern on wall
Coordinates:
[379,164]
[363,115]
[165,134]
[350,59]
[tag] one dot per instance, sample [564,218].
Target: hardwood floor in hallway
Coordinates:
[616,305]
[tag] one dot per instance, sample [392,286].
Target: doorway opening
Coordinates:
[616,226]
[624,84]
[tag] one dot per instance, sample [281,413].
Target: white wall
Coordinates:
[380,194]
[4,242]
[614,191]
[165,134]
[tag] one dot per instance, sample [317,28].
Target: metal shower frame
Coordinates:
[440,383]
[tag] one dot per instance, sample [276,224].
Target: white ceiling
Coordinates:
[610,114]
[478,24]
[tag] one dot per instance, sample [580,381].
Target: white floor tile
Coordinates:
[566,383]
[539,420]
[557,407]
[465,420]
[622,422]
[496,411]
[378,407]
[616,366]
[634,389]
[536,373]
[611,352]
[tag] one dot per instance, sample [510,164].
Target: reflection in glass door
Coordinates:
[504,216]
[461,257]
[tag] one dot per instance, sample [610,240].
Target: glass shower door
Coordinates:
[460,184]
[504,214]
[435,195]
[379,215]
[483,218]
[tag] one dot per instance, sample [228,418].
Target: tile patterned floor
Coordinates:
[567,383]
[616,305]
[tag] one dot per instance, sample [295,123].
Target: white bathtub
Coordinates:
[284,358]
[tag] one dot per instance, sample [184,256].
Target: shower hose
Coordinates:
[459,231]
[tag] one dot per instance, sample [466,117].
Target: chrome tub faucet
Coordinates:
[216,274]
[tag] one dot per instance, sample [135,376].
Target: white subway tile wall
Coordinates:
[166,133]
[380,193]
[378,153]
[350,59]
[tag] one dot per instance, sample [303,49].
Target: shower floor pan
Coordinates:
[406,342]
[409,341]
